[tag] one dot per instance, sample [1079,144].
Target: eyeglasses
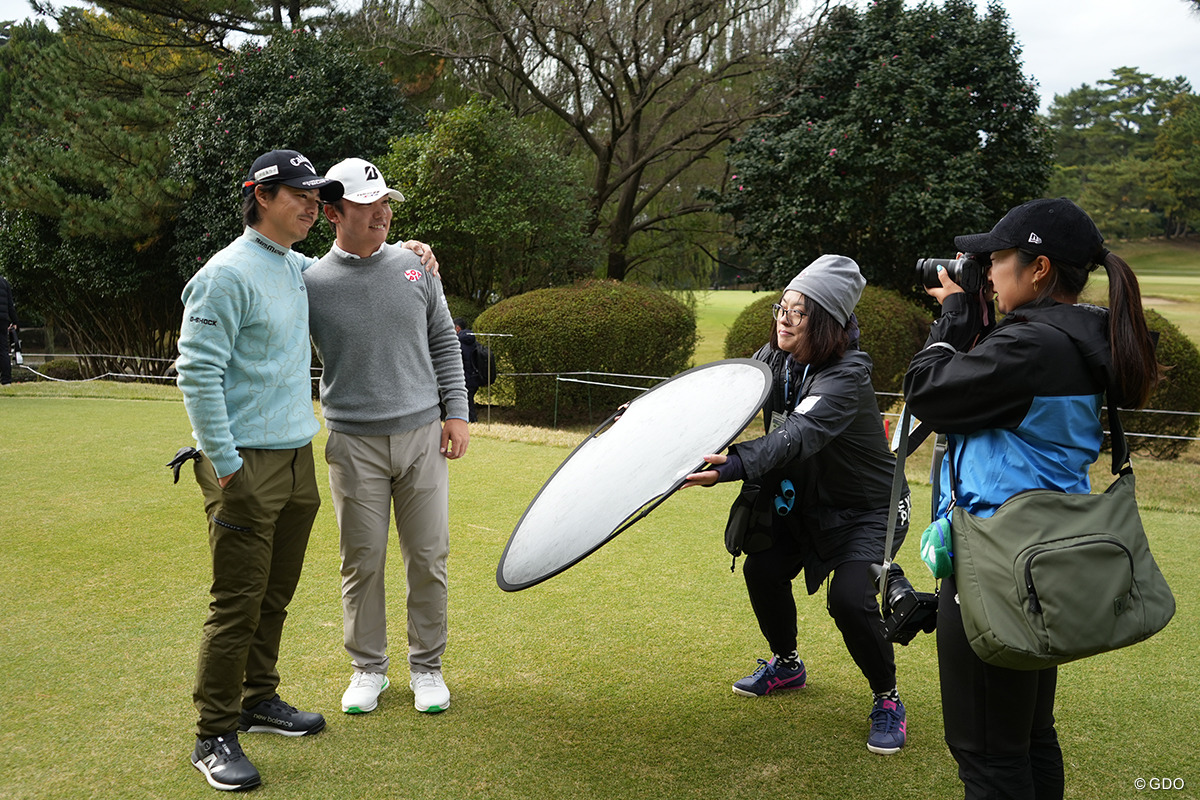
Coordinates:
[793,316]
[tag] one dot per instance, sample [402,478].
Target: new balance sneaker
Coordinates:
[887,726]
[223,764]
[771,678]
[364,691]
[429,692]
[276,716]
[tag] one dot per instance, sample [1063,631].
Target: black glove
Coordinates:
[181,457]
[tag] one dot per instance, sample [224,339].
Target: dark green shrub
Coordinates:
[328,102]
[893,330]
[1179,391]
[64,369]
[462,307]
[496,200]
[22,375]
[591,326]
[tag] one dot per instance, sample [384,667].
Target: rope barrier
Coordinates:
[560,377]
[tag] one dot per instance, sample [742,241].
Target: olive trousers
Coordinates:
[258,528]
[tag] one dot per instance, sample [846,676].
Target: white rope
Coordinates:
[562,377]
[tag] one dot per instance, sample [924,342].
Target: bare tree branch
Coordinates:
[649,88]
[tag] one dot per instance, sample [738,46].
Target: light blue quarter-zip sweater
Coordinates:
[244,353]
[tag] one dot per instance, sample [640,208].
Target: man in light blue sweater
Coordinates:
[244,370]
[395,403]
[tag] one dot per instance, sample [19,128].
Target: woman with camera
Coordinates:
[1021,409]
[823,475]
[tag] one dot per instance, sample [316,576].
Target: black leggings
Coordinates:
[850,601]
[999,722]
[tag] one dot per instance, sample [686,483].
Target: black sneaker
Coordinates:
[221,760]
[276,716]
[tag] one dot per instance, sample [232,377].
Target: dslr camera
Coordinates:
[906,612]
[967,271]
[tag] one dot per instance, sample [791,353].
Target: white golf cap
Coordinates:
[362,181]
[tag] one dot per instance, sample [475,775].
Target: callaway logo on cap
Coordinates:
[362,181]
[291,169]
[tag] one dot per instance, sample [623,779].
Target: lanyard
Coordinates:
[787,378]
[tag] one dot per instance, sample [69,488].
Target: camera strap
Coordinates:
[897,490]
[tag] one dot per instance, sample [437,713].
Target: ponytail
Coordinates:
[1135,370]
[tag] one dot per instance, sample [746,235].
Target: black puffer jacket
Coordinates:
[466,340]
[831,445]
[8,306]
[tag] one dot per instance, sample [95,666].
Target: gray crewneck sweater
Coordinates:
[384,334]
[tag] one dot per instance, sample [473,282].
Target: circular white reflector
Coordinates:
[624,470]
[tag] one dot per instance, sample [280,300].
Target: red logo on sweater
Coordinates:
[412,274]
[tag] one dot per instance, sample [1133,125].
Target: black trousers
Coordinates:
[851,601]
[999,722]
[6,357]
[472,409]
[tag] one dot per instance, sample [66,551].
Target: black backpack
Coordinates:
[485,365]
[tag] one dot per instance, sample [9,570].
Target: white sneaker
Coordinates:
[363,694]
[429,691]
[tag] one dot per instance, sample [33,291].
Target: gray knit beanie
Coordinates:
[833,282]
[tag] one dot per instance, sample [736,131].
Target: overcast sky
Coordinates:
[1064,43]
[1067,43]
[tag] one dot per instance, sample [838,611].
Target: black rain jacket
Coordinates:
[832,447]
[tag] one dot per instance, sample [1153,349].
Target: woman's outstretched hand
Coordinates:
[706,477]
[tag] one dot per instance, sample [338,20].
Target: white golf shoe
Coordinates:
[430,694]
[363,694]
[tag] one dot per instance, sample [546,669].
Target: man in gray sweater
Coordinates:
[395,403]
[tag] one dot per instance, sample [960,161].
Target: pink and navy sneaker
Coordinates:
[887,726]
[771,677]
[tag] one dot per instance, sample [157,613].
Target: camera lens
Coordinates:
[898,588]
[967,272]
[927,269]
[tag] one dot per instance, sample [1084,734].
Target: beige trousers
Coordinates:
[370,476]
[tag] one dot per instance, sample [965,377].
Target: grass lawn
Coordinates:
[715,312]
[610,680]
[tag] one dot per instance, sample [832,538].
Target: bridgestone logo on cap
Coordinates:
[314,182]
[266,172]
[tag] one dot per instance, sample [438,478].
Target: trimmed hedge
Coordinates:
[64,369]
[462,307]
[1179,391]
[591,326]
[893,330]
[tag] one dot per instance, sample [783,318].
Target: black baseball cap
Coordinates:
[291,169]
[1057,229]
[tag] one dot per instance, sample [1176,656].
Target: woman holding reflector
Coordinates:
[823,473]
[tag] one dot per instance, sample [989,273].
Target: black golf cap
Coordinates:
[1057,229]
[291,169]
